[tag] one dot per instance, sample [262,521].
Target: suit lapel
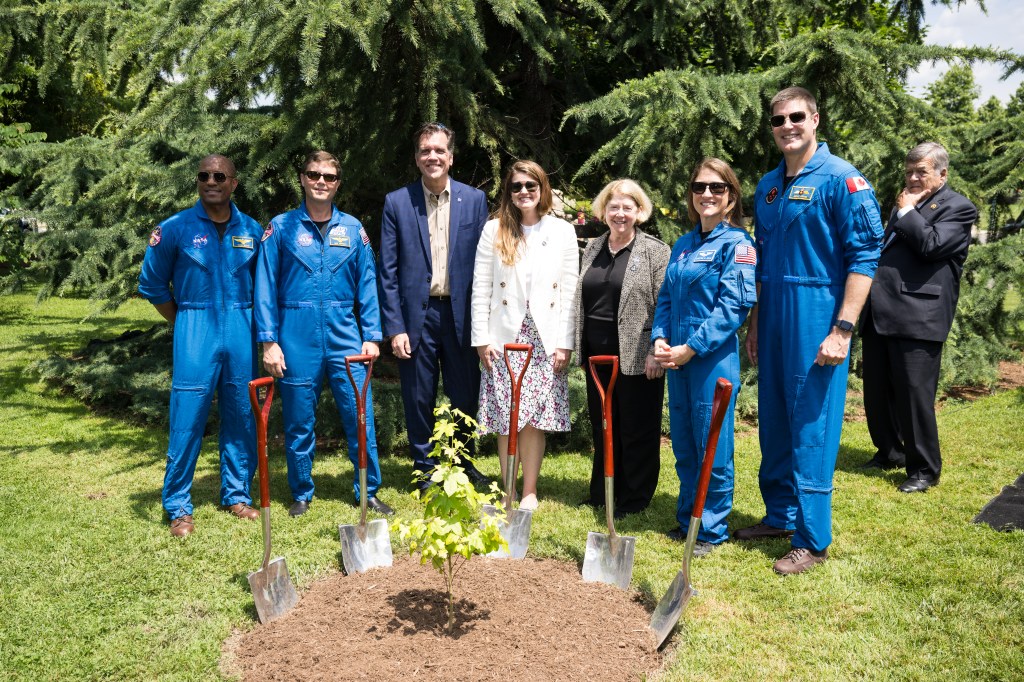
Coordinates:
[419,205]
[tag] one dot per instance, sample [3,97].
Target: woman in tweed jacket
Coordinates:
[616,295]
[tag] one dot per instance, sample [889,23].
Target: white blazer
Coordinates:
[499,291]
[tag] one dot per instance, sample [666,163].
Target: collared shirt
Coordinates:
[602,283]
[438,219]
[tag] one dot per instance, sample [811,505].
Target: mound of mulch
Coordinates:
[515,620]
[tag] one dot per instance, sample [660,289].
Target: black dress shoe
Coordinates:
[918,483]
[880,461]
[589,502]
[379,507]
[298,508]
[700,547]
[475,477]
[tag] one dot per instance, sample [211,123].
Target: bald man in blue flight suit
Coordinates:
[819,234]
[316,302]
[198,273]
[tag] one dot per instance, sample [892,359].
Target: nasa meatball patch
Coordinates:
[154,236]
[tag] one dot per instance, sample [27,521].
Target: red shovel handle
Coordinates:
[262,414]
[606,405]
[517,385]
[723,395]
[360,398]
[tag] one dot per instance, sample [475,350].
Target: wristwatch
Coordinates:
[844,326]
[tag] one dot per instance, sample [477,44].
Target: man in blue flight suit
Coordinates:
[819,234]
[198,273]
[316,302]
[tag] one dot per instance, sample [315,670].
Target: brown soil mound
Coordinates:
[515,620]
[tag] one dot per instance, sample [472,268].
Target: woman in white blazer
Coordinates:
[524,281]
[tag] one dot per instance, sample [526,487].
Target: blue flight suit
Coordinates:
[810,235]
[708,290]
[210,279]
[317,298]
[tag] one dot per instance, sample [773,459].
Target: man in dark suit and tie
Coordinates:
[908,316]
[429,234]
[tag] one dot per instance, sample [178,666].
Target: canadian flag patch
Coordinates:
[857,184]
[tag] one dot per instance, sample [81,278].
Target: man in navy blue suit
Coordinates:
[429,234]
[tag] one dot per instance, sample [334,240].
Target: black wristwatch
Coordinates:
[844,326]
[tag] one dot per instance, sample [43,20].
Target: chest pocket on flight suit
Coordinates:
[241,265]
[194,284]
[694,274]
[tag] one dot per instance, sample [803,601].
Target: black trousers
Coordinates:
[637,404]
[901,377]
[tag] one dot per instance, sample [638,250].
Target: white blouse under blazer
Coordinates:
[499,290]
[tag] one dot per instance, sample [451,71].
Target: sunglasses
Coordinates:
[518,187]
[715,187]
[203,176]
[779,120]
[314,176]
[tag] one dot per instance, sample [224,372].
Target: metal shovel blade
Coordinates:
[609,559]
[666,614]
[370,548]
[516,531]
[272,590]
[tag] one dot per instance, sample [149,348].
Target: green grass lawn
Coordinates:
[93,586]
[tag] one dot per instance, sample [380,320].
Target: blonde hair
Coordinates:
[510,218]
[627,188]
[735,209]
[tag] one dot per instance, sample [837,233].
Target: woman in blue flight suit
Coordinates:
[708,290]
[202,281]
[316,298]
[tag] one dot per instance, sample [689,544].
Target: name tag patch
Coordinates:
[242,243]
[801,193]
[340,240]
[704,255]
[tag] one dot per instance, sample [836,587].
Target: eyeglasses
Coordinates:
[518,187]
[628,209]
[779,120]
[314,176]
[203,176]
[715,187]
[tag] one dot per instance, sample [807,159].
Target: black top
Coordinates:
[221,227]
[602,284]
[321,224]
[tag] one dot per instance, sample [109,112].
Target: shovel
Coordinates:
[516,528]
[366,545]
[666,614]
[272,588]
[608,558]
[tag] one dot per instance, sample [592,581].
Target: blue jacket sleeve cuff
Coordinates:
[264,337]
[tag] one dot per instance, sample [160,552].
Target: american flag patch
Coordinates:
[746,254]
[365,237]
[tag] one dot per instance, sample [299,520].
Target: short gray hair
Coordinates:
[930,150]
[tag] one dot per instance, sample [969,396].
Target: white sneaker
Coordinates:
[529,502]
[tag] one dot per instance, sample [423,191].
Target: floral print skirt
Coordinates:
[543,398]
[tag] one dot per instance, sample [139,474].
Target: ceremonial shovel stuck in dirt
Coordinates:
[666,614]
[516,528]
[272,588]
[608,558]
[366,545]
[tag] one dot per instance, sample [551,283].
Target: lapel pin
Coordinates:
[933,206]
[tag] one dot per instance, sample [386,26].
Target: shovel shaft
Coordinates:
[360,395]
[512,463]
[723,396]
[262,414]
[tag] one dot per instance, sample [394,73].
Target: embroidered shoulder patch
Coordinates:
[746,254]
[155,235]
[267,232]
[365,237]
[857,184]
[801,193]
[772,193]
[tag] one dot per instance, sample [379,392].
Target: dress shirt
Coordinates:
[438,214]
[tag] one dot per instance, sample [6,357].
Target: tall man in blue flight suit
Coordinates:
[198,273]
[819,234]
[316,302]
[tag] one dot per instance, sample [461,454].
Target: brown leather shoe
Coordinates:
[759,531]
[244,511]
[798,560]
[182,526]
